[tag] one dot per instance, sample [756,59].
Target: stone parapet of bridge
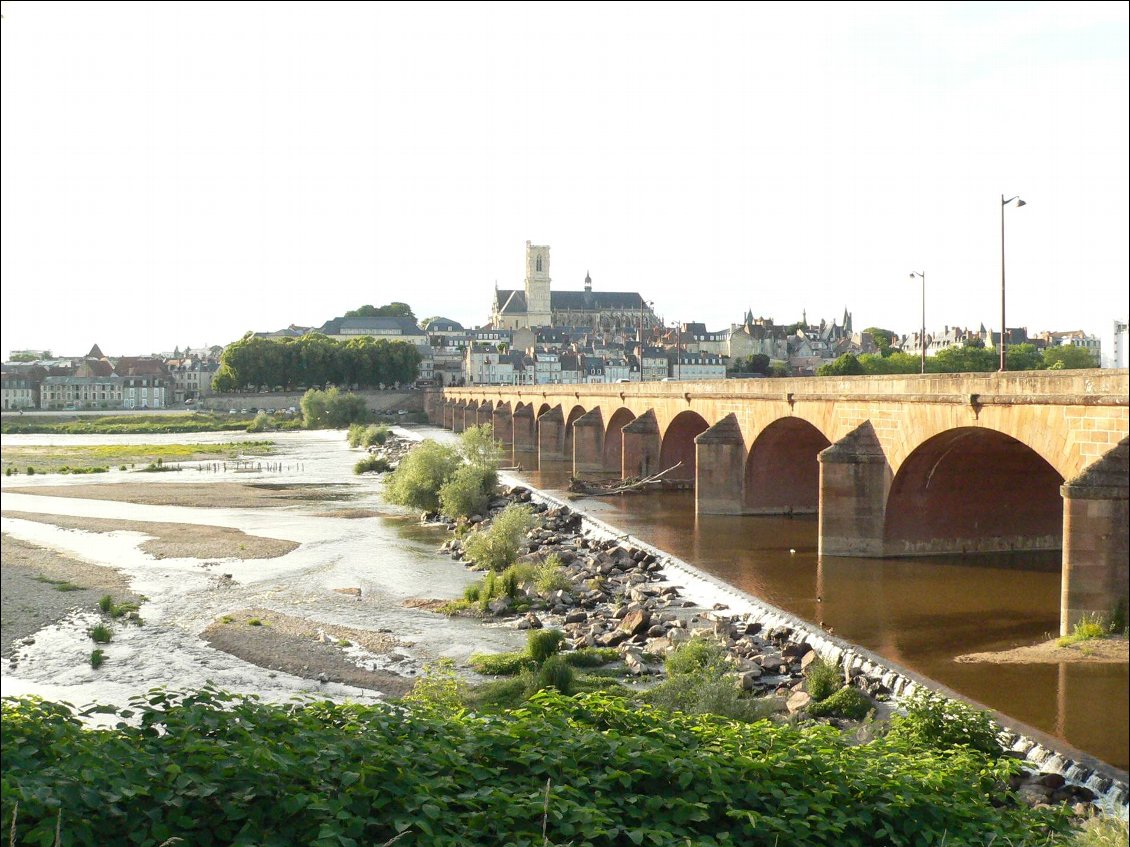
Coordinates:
[892,465]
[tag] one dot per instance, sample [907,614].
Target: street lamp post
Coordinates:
[1004,203]
[922,337]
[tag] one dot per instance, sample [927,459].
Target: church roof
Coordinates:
[513,302]
[372,325]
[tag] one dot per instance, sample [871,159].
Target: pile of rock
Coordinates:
[393,450]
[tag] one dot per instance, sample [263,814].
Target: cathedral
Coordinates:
[537,305]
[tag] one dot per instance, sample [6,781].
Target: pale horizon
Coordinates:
[179,174]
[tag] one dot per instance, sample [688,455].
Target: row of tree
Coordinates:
[967,359]
[315,360]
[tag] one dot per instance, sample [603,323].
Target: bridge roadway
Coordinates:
[892,465]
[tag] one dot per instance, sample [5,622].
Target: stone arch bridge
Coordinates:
[892,465]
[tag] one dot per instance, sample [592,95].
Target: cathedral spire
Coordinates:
[588,282]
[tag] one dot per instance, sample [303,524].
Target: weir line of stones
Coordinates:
[623,598]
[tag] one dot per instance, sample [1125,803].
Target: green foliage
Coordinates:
[1087,628]
[133,424]
[261,423]
[1101,832]
[421,474]
[822,679]
[847,365]
[496,547]
[848,702]
[439,689]
[97,657]
[553,672]
[1068,357]
[395,309]
[550,576]
[215,768]
[468,492]
[371,464]
[101,634]
[757,363]
[708,692]
[591,657]
[499,664]
[543,643]
[697,656]
[882,339]
[478,447]
[333,409]
[937,723]
[371,435]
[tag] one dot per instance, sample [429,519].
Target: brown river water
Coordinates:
[918,612]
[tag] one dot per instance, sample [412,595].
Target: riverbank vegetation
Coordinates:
[458,481]
[970,358]
[595,768]
[97,458]
[138,423]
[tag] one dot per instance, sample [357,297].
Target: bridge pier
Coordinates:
[459,417]
[588,443]
[1096,549]
[720,466]
[502,424]
[641,446]
[854,481]
[525,430]
[551,436]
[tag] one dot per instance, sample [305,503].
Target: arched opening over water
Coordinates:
[973,490]
[678,445]
[614,440]
[782,473]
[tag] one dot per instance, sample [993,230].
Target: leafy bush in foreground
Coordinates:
[213,768]
[939,723]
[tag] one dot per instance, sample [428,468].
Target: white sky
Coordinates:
[179,173]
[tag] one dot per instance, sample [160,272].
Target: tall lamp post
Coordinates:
[1004,343]
[922,337]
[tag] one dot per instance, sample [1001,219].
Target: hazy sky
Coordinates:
[180,173]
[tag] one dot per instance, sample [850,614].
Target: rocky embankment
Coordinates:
[621,598]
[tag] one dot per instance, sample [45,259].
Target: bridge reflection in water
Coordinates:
[920,612]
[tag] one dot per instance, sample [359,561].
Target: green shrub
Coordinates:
[1088,627]
[439,689]
[30,470]
[935,722]
[849,702]
[468,492]
[106,604]
[420,475]
[261,423]
[478,447]
[591,657]
[706,693]
[101,634]
[371,464]
[216,768]
[97,657]
[496,548]
[499,664]
[1101,832]
[543,643]
[551,576]
[822,679]
[552,673]
[333,409]
[697,656]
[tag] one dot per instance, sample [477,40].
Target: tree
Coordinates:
[417,481]
[882,338]
[757,363]
[846,365]
[1066,358]
[395,309]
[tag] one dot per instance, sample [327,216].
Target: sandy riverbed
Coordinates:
[229,495]
[1083,652]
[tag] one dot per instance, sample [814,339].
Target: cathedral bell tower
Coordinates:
[538,311]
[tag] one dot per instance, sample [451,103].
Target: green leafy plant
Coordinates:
[697,656]
[439,689]
[371,464]
[822,679]
[848,702]
[551,576]
[1087,628]
[101,634]
[543,643]
[97,657]
[935,722]
[496,548]
[468,491]
[420,475]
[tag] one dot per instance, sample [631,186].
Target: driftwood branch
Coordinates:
[622,486]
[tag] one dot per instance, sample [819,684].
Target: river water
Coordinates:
[918,612]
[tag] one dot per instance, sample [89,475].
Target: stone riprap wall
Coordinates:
[378,401]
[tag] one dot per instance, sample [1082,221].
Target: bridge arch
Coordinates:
[678,445]
[973,489]
[570,419]
[614,440]
[782,472]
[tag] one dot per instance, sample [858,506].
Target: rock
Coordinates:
[1033,794]
[793,650]
[634,661]
[1051,780]
[798,701]
[532,621]
[576,616]
[499,606]
[612,639]
[747,680]
[656,631]
[808,658]
[634,623]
